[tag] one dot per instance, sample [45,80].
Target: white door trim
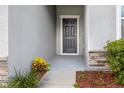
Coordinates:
[61,33]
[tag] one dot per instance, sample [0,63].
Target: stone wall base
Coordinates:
[97,61]
[3,71]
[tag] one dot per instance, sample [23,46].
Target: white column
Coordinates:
[118,22]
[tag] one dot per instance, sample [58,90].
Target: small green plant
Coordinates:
[82,76]
[76,85]
[115,59]
[100,81]
[101,74]
[27,80]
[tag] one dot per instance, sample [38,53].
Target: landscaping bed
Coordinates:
[31,78]
[96,79]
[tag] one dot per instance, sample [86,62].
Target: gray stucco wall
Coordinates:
[3,30]
[32,33]
[70,10]
[101,25]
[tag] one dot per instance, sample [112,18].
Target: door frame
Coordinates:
[61,33]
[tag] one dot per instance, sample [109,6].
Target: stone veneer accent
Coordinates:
[97,60]
[3,70]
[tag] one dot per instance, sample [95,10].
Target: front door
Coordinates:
[69,35]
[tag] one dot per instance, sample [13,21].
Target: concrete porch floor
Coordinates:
[63,71]
[68,62]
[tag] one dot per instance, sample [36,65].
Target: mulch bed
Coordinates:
[96,79]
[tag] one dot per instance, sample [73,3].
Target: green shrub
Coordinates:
[115,59]
[27,80]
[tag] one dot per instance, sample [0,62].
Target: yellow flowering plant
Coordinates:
[40,64]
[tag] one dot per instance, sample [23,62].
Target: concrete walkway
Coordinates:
[62,73]
[58,79]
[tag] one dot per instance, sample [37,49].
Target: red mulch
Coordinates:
[96,79]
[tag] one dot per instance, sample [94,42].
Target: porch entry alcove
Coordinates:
[70,40]
[68,36]
[55,32]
